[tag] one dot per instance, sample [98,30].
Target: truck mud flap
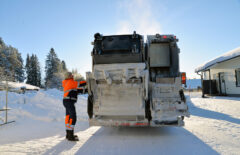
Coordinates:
[90,106]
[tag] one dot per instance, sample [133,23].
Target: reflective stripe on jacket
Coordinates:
[70,89]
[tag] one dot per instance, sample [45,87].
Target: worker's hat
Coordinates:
[68,75]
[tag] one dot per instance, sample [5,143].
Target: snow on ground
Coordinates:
[37,115]
[216,122]
[213,128]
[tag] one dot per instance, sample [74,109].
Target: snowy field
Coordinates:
[213,128]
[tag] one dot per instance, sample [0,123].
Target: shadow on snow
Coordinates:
[65,145]
[164,140]
[194,110]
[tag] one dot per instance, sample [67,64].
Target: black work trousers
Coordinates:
[70,111]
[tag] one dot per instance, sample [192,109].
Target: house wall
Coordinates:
[228,68]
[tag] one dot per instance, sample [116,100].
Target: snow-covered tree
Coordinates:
[19,68]
[1,64]
[55,70]
[77,76]
[2,58]
[11,63]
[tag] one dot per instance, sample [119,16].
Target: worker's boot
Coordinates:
[71,136]
[67,134]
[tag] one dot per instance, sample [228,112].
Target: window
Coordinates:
[238,77]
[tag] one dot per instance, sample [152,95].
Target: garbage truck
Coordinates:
[135,82]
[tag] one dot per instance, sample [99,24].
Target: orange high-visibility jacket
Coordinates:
[70,89]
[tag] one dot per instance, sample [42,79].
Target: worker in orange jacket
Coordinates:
[71,89]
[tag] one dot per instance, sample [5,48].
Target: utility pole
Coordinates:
[6,101]
[6,107]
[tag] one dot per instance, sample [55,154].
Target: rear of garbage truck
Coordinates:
[133,83]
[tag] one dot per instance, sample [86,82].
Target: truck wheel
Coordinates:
[90,106]
[147,110]
[182,117]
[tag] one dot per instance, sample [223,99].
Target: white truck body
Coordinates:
[120,92]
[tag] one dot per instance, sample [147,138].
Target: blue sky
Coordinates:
[205,28]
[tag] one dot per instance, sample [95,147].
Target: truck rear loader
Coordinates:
[136,83]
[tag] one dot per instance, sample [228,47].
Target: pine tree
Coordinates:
[2,44]
[37,71]
[1,58]
[64,67]
[33,70]
[11,63]
[53,69]
[19,69]
[28,70]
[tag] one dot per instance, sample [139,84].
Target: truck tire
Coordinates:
[182,117]
[148,110]
[90,106]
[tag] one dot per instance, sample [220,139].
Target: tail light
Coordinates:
[164,37]
[183,78]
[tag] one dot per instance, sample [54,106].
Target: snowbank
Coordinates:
[16,85]
[229,55]
[37,115]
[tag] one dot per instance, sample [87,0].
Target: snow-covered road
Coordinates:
[216,121]
[213,128]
